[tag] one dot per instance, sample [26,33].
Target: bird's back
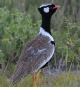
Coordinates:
[35,55]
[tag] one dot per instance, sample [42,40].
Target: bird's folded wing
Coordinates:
[24,63]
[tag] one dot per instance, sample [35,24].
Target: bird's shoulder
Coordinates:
[34,47]
[37,42]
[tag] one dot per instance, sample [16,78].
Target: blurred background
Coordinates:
[20,21]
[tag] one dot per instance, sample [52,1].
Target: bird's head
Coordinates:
[47,10]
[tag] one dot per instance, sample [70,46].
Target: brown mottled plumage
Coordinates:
[26,63]
[39,50]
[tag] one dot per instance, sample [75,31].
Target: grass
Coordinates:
[68,79]
[17,28]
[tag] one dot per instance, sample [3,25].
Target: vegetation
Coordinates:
[63,80]
[16,30]
[17,26]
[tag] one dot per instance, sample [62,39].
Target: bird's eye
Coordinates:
[51,7]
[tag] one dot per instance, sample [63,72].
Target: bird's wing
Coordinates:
[30,59]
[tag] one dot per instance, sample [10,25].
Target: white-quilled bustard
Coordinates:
[38,51]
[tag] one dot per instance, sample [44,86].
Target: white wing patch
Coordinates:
[37,52]
[45,61]
[46,10]
[44,5]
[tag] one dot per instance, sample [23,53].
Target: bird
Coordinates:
[39,50]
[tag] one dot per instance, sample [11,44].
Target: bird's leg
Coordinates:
[35,77]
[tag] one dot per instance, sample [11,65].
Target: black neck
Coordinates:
[46,24]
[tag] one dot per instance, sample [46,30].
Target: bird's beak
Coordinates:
[56,6]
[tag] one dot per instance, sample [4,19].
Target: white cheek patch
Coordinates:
[46,10]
